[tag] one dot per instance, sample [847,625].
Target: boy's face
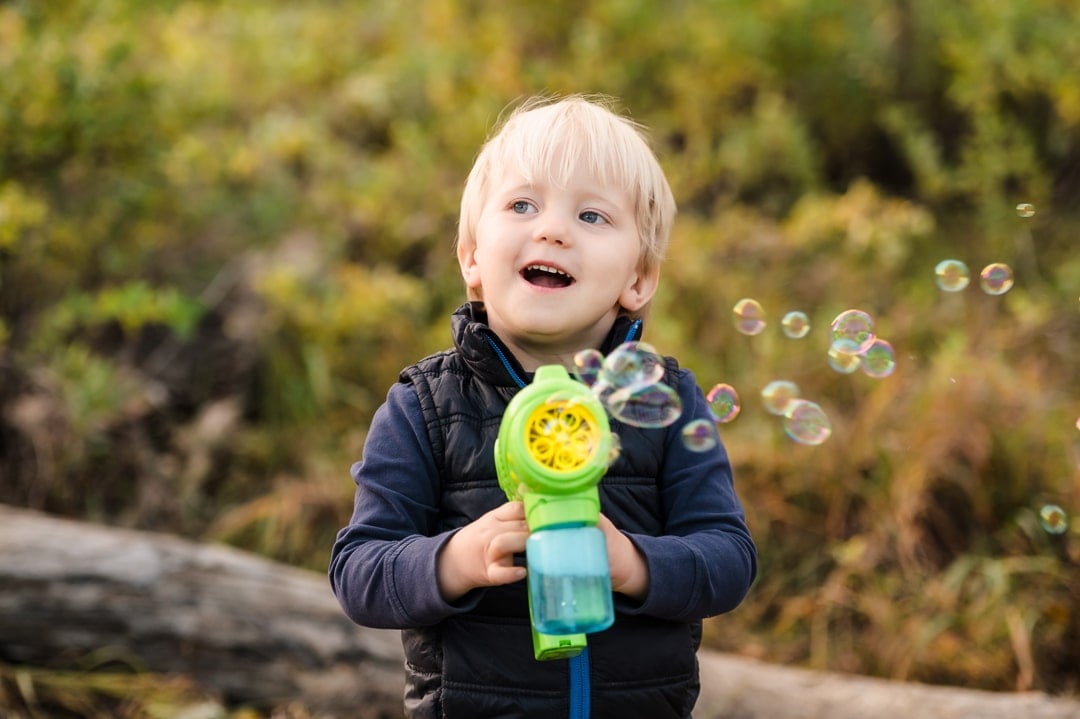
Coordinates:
[555,263]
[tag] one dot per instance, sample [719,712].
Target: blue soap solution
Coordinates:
[569,580]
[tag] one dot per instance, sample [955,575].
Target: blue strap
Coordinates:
[579,685]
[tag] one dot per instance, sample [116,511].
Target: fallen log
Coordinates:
[246,628]
[737,687]
[266,634]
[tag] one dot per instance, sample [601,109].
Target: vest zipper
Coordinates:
[506,362]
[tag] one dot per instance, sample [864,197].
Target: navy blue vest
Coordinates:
[480,663]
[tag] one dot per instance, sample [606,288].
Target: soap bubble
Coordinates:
[699,435]
[854,325]
[1025,209]
[778,395]
[795,324]
[642,404]
[723,403]
[587,366]
[806,422]
[630,386]
[996,278]
[749,316]
[952,275]
[879,360]
[844,356]
[1053,519]
[631,363]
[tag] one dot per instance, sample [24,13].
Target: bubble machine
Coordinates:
[553,447]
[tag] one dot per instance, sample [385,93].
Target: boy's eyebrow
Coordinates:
[522,187]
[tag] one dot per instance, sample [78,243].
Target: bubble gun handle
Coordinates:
[553,447]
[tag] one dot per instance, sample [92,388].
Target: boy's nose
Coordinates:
[552,232]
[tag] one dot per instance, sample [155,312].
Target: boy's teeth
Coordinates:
[545,268]
[547,276]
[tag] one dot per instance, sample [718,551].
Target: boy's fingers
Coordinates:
[505,575]
[505,545]
[509,511]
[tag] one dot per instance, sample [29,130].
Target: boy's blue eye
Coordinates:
[593,218]
[520,206]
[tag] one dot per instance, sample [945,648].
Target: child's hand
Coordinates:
[629,572]
[481,554]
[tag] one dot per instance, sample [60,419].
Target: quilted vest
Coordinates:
[480,663]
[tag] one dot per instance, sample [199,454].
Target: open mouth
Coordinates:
[546,276]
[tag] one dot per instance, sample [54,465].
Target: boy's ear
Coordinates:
[640,290]
[470,271]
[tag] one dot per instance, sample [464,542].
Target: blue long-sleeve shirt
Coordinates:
[384,560]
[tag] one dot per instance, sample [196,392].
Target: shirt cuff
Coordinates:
[424,605]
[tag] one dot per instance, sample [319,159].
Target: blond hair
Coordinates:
[544,138]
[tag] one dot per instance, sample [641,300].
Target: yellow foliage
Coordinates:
[19,213]
[254,203]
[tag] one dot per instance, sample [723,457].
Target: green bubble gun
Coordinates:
[553,447]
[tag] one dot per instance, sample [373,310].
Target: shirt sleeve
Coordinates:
[383,563]
[704,561]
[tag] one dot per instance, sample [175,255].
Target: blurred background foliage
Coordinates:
[224,227]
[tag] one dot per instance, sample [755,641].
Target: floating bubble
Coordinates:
[996,278]
[844,356]
[749,316]
[778,395]
[631,363]
[651,404]
[1053,519]
[795,324]
[699,435]
[587,366]
[952,275]
[1025,209]
[879,360]
[853,325]
[806,422]
[723,403]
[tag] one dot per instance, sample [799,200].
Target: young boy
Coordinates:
[564,220]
